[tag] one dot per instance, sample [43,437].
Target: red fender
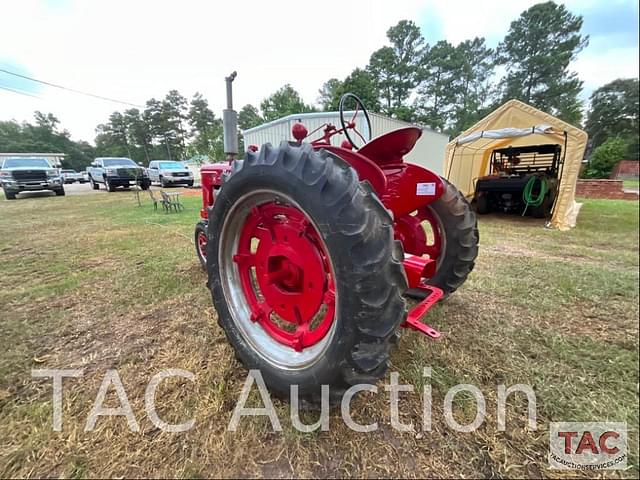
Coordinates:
[366,169]
[391,147]
[410,187]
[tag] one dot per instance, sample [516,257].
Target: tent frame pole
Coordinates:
[561,171]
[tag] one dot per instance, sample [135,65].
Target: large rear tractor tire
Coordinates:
[304,272]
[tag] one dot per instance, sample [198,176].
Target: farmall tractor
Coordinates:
[311,248]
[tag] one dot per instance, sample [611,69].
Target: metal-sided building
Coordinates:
[428,152]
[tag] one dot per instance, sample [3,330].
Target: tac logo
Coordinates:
[588,445]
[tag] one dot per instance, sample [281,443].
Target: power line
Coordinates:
[73,90]
[19,92]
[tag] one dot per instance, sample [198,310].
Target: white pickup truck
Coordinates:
[170,172]
[71,176]
[116,172]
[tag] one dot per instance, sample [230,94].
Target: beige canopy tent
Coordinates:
[516,123]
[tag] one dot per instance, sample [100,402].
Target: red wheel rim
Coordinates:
[416,240]
[202,244]
[285,275]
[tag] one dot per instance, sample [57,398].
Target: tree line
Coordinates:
[45,136]
[171,128]
[444,86]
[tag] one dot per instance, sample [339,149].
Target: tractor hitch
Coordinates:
[416,313]
[418,268]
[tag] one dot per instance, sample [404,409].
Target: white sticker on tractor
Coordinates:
[428,188]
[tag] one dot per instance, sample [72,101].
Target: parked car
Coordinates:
[23,174]
[169,172]
[71,176]
[116,172]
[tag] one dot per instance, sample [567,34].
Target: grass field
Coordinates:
[631,183]
[95,283]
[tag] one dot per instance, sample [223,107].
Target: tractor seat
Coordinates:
[391,147]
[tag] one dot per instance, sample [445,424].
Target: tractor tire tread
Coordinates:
[201,226]
[369,274]
[462,238]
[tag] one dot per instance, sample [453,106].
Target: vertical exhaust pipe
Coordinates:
[230,122]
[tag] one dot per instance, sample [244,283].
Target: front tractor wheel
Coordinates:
[304,272]
[200,241]
[446,231]
[453,216]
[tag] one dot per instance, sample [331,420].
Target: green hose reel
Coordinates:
[527,194]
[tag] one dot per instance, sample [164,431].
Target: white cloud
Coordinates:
[461,20]
[596,69]
[135,50]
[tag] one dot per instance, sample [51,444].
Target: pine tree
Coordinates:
[536,53]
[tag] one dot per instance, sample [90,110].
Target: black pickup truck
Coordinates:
[116,172]
[28,174]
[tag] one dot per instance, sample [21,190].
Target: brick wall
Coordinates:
[603,189]
[626,168]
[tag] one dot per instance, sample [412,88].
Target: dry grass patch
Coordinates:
[108,285]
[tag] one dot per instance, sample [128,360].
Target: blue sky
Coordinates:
[18,83]
[606,23]
[137,50]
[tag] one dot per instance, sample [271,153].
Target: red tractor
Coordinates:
[310,249]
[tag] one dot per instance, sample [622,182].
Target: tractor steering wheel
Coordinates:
[352,123]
